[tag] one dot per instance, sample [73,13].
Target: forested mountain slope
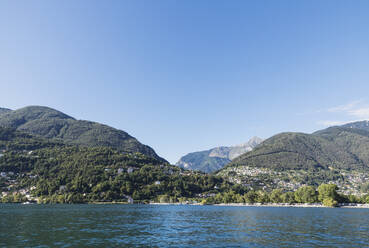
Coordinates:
[35,168]
[52,124]
[338,154]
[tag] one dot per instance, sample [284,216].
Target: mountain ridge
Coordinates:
[336,154]
[214,159]
[53,124]
[4,110]
[38,169]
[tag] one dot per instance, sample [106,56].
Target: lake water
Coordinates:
[180,226]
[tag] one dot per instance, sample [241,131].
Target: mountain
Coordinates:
[4,110]
[338,154]
[363,125]
[34,168]
[330,147]
[53,124]
[214,159]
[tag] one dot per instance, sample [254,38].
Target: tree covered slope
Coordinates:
[335,154]
[336,147]
[52,124]
[55,172]
[4,110]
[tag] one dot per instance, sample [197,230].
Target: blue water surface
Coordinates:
[180,226]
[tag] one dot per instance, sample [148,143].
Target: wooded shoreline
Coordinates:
[296,205]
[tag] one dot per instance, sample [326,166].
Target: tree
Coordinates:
[276,195]
[209,200]
[251,197]
[353,198]
[328,191]
[367,199]
[229,197]
[330,202]
[288,197]
[164,199]
[262,197]
[306,194]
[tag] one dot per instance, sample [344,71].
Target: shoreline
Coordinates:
[286,205]
[296,205]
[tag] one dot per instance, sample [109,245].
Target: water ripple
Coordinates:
[180,226]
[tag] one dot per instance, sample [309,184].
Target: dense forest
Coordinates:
[325,194]
[56,172]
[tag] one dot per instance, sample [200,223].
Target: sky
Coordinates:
[184,76]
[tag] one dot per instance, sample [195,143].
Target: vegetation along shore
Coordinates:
[49,157]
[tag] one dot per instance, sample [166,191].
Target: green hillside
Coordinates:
[53,124]
[4,110]
[340,148]
[336,154]
[32,167]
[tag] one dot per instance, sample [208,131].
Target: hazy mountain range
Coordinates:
[214,159]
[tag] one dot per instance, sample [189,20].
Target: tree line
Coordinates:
[325,194]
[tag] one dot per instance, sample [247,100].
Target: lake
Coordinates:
[180,226]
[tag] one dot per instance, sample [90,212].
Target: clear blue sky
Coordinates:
[183,76]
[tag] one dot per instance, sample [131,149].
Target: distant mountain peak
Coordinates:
[363,125]
[216,158]
[254,141]
[35,111]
